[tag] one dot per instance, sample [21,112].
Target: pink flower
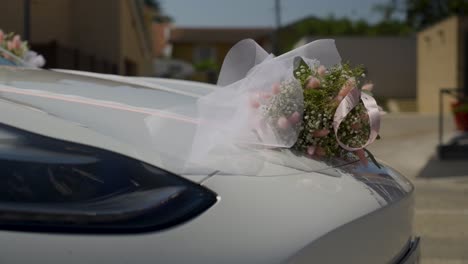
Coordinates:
[276,88]
[362,157]
[319,151]
[17,42]
[283,122]
[321,70]
[347,87]
[254,103]
[368,87]
[364,116]
[295,118]
[311,150]
[313,83]
[2,36]
[321,133]
[10,45]
[356,126]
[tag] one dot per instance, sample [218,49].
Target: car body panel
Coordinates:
[128,116]
[138,118]
[257,220]
[292,215]
[185,87]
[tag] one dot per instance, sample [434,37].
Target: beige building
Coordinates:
[102,36]
[441,61]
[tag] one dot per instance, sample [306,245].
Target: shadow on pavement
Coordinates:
[436,168]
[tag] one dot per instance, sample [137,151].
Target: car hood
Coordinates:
[153,120]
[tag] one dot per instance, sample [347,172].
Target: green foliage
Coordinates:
[332,26]
[390,28]
[320,105]
[301,71]
[462,108]
[417,15]
[155,4]
[206,65]
[159,16]
[422,13]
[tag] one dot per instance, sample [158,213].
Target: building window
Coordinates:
[204,53]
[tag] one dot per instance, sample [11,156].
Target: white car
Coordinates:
[85,180]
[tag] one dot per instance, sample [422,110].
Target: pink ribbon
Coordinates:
[344,108]
[97,103]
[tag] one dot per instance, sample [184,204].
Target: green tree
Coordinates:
[387,10]
[422,13]
[332,26]
[155,4]
[159,16]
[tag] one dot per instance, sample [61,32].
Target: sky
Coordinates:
[260,13]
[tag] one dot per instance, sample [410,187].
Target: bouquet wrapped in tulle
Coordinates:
[323,90]
[304,100]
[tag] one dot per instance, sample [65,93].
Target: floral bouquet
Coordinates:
[323,91]
[12,47]
[305,101]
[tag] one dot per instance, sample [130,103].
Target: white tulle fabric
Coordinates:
[229,126]
[33,59]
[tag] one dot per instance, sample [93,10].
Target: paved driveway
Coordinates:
[441,217]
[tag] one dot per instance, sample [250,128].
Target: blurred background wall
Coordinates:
[111,36]
[442,59]
[390,61]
